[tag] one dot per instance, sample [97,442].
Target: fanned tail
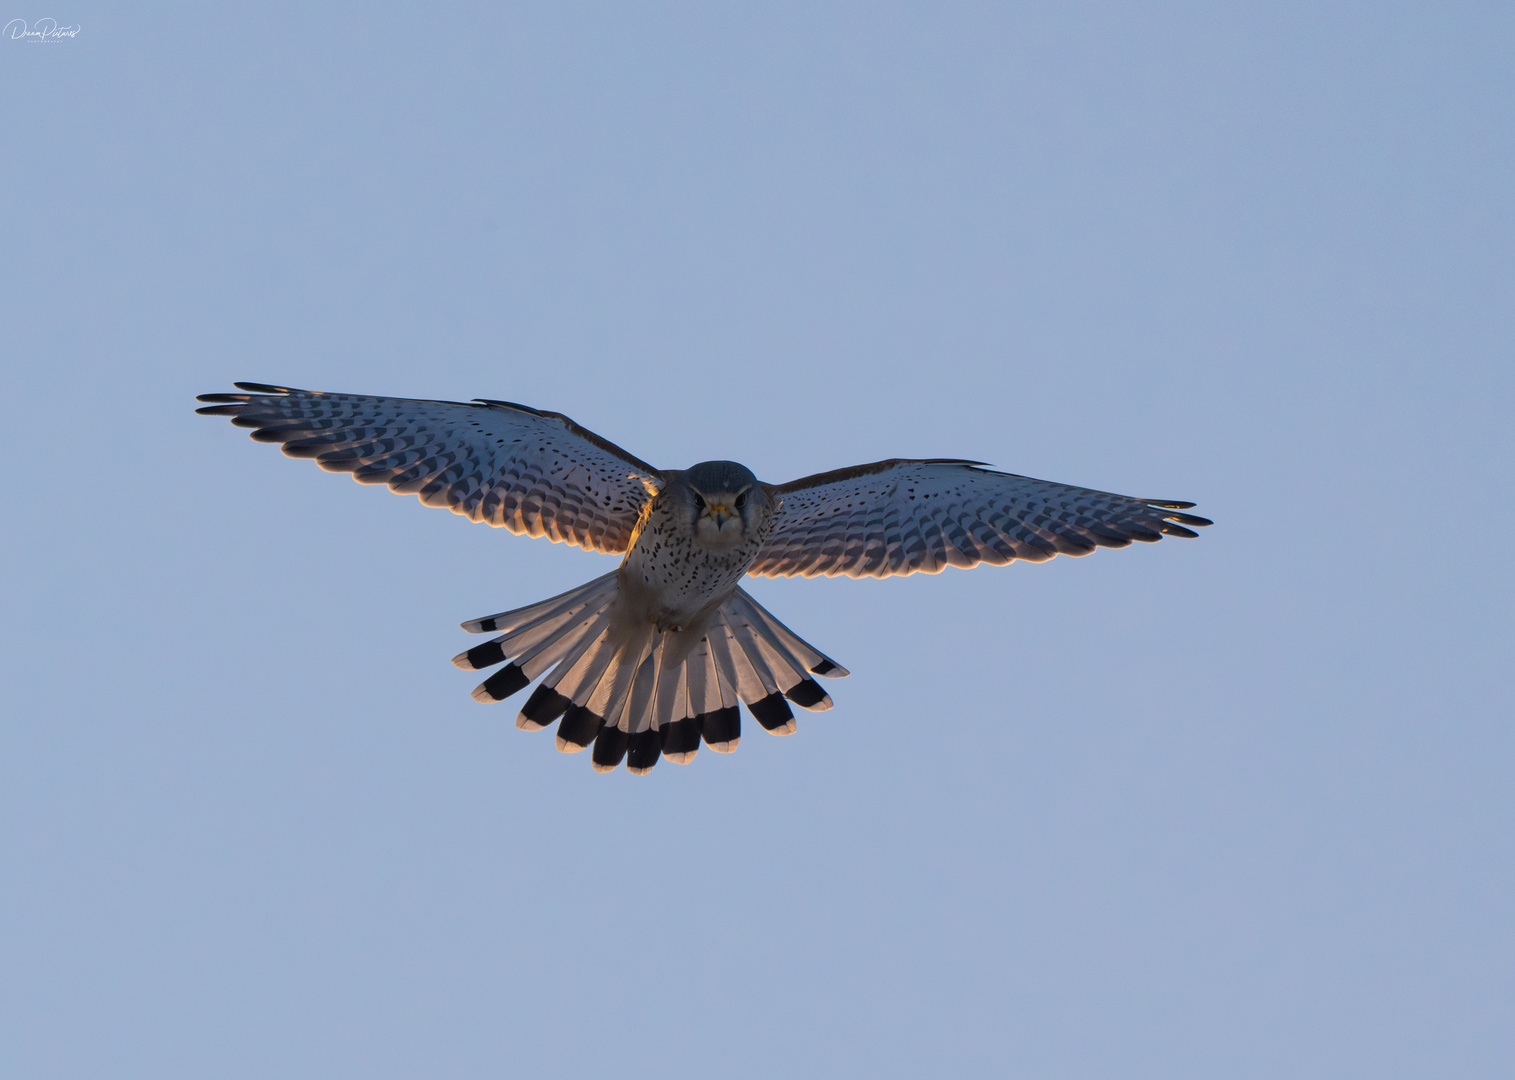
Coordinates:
[636,694]
[537,637]
[779,660]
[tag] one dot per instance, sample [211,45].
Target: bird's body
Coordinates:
[652,659]
[693,547]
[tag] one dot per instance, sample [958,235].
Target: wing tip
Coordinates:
[1175,505]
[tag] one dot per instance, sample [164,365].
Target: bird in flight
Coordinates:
[653,658]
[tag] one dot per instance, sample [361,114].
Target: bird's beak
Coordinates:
[720,514]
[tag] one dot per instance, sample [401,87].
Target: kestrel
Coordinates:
[652,658]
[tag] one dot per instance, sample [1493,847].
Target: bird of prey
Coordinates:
[651,659]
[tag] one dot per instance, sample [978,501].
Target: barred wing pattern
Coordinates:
[508,465]
[900,517]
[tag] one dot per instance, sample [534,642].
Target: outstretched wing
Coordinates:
[899,517]
[529,471]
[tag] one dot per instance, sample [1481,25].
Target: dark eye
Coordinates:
[741,500]
[699,503]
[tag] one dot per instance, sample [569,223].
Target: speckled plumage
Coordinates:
[902,517]
[667,561]
[507,465]
[653,658]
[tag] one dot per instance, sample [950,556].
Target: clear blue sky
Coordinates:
[1232,807]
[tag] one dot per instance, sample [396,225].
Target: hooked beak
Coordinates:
[720,514]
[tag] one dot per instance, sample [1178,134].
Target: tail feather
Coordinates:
[601,588]
[756,676]
[736,670]
[635,694]
[672,700]
[704,680]
[702,695]
[722,729]
[565,644]
[770,709]
[525,642]
[531,640]
[569,645]
[611,696]
[610,746]
[816,662]
[642,751]
[765,631]
[537,637]
[719,721]
[576,676]
[543,707]
[578,729]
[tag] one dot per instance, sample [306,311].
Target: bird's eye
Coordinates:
[741,500]
[699,503]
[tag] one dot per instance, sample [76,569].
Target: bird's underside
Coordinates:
[653,659]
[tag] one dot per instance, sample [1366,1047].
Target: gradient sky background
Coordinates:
[1232,807]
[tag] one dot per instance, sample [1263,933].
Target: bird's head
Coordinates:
[725,503]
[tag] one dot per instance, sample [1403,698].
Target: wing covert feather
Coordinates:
[903,517]
[507,465]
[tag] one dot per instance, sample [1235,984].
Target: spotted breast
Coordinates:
[694,544]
